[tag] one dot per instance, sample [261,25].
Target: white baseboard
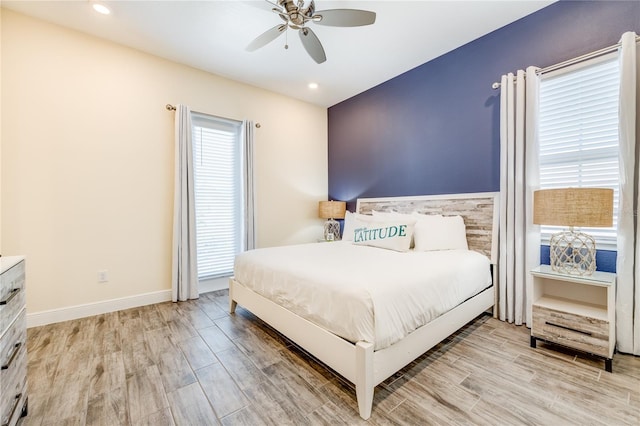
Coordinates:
[206,286]
[81,311]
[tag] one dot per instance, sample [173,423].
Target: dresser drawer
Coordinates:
[12,294]
[14,410]
[575,331]
[13,372]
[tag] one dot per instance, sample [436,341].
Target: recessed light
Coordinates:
[313,86]
[100,8]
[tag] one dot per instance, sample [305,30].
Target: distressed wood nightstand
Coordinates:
[575,311]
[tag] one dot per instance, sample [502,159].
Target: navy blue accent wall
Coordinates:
[435,129]
[605,259]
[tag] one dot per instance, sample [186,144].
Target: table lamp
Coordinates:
[332,210]
[573,252]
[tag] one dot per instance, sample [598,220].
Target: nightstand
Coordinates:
[575,311]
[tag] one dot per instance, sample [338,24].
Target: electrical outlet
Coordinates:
[103,276]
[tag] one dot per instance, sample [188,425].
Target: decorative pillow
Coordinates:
[389,234]
[391,215]
[436,232]
[351,222]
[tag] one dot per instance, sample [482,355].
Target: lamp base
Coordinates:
[573,253]
[332,230]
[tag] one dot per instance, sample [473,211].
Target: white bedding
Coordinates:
[342,287]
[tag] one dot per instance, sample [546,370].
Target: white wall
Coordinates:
[87,161]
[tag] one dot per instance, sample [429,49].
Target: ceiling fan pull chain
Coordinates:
[286,38]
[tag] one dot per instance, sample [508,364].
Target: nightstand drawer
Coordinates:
[575,331]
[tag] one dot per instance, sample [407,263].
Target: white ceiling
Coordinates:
[212,36]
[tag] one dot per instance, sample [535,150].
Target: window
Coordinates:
[218,194]
[578,133]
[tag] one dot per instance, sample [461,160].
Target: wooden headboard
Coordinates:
[478,210]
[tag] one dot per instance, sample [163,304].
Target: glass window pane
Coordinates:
[216,150]
[578,132]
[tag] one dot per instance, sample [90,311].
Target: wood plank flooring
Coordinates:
[191,363]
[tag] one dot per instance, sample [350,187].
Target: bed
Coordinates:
[372,353]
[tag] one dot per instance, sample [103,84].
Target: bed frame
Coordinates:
[358,362]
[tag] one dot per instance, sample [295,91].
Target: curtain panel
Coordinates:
[184,275]
[628,240]
[248,186]
[519,176]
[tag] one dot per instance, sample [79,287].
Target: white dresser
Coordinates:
[13,340]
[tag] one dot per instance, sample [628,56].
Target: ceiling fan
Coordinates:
[297,14]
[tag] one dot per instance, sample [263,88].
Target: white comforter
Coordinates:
[363,293]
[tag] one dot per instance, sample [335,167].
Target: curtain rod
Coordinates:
[576,60]
[170,107]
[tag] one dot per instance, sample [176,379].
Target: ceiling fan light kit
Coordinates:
[297,14]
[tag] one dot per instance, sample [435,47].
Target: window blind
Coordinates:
[578,134]
[216,150]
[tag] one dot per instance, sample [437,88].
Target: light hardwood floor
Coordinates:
[191,363]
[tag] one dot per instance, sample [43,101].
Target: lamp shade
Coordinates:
[332,209]
[591,207]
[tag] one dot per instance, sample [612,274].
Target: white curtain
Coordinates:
[628,260]
[248,184]
[519,175]
[184,280]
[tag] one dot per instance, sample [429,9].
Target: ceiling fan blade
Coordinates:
[266,37]
[345,17]
[312,45]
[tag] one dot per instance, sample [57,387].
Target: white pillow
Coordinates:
[389,234]
[351,222]
[436,232]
